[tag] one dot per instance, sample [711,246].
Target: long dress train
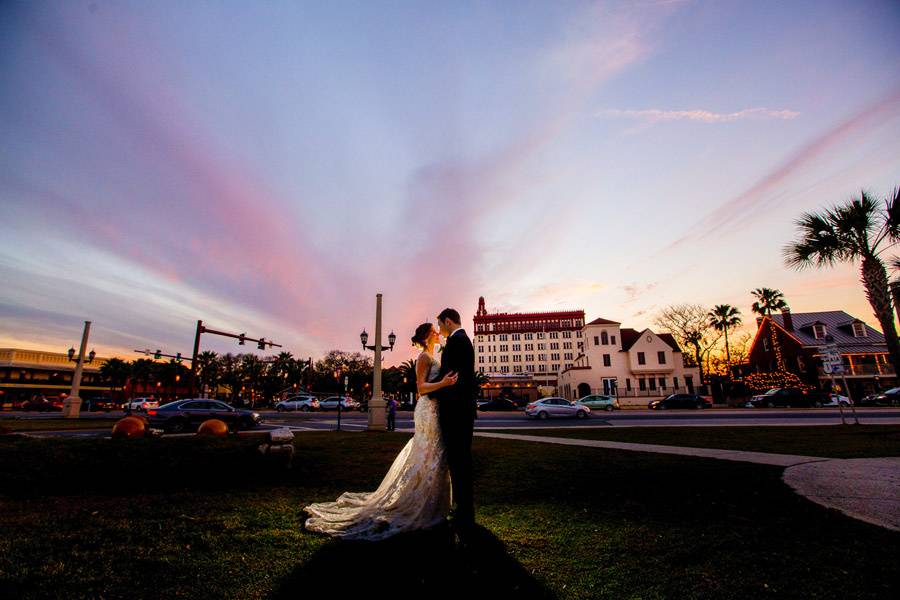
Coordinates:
[414,494]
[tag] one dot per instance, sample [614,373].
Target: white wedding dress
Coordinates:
[414,494]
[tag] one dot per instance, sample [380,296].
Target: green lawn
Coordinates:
[837,441]
[204,518]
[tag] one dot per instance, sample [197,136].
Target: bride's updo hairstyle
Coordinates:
[421,336]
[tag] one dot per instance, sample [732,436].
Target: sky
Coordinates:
[269,167]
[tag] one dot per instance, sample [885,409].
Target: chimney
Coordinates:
[786,319]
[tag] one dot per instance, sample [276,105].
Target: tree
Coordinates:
[230,373]
[769,300]
[208,369]
[722,318]
[689,324]
[116,371]
[144,371]
[858,230]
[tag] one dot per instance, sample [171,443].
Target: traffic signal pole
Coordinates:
[261,343]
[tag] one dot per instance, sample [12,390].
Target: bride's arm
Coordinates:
[423,365]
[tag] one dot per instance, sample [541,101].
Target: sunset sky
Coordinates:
[269,167]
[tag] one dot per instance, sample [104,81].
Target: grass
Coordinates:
[202,518]
[57,424]
[836,441]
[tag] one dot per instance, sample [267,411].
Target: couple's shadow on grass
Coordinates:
[423,564]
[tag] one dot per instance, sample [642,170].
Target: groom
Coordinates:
[456,415]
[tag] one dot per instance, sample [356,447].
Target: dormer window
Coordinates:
[819,331]
[859,329]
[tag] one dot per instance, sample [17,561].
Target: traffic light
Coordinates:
[158,354]
[241,339]
[261,344]
[178,357]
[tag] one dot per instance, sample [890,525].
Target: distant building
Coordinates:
[627,363]
[519,352]
[25,373]
[867,364]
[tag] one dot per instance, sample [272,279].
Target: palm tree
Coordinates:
[769,300]
[480,380]
[857,230]
[208,370]
[722,318]
[116,371]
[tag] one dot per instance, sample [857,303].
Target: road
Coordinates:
[356,421]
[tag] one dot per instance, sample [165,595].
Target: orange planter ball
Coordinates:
[129,427]
[215,427]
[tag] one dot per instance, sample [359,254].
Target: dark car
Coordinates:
[890,397]
[187,415]
[786,397]
[498,404]
[43,404]
[100,404]
[681,401]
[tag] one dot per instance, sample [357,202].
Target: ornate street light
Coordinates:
[364,338]
[377,416]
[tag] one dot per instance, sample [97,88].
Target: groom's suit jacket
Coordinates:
[458,356]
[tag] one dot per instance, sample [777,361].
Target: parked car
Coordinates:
[890,397]
[600,402]
[301,403]
[331,403]
[141,404]
[498,404]
[837,400]
[681,401]
[187,415]
[43,404]
[101,404]
[786,397]
[556,407]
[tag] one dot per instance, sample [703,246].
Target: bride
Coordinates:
[415,493]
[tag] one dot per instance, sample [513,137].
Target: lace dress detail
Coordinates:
[414,494]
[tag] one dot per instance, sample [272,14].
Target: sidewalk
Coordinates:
[867,489]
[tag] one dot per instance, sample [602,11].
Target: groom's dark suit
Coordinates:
[456,415]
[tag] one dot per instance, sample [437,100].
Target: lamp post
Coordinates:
[377,416]
[72,404]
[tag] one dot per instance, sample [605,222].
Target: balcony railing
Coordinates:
[870,370]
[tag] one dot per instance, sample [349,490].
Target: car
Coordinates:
[101,404]
[498,404]
[837,400]
[141,404]
[346,403]
[187,415]
[786,397]
[43,404]
[301,403]
[681,401]
[555,406]
[889,397]
[600,401]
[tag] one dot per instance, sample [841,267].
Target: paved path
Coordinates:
[867,489]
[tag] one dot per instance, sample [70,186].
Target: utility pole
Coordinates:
[72,404]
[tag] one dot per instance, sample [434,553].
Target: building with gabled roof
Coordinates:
[867,365]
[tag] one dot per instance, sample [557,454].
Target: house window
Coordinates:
[604,338]
[628,384]
[480,348]
[675,382]
[653,383]
[662,383]
[642,384]
[607,360]
[819,331]
[859,330]
[481,359]
[641,359]
[661,357]
[596,340]
[612,340]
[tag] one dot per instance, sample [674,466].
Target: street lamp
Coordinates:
[72,404]
[377,417]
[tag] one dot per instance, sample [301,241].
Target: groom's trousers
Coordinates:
[456,430]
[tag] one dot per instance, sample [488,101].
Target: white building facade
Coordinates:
[627,363]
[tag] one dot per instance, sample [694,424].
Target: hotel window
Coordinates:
[542,357]
[481,369]
[504,347]
[479,328]
[540,335]
[567,334]
[517,358]
[566,323]
[529,358]
[596,340]
[503,337]
[517,347]
[542,346]
[516,336]
[567,345]
[859,330]
[542,367]
[529,336]
[604,338]
[642,384]
[554,335]
[554,367]
[504,369]
[480,349]
[568,365]
[607,360]
[661,357]
[554,345]
[653,383]
[554,356]
[581,346]
[662,383]
[481,359]
[529,368]
[480,338]
[568,356]
[641,359]
[504,358]
[819,331]
[529,346]
[577,322]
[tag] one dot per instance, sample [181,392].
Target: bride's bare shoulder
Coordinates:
[424,357]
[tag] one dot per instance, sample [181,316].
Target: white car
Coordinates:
[838,400]
[141,404]
[555,406]
[301,403]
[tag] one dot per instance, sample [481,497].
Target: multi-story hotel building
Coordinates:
[522,351]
